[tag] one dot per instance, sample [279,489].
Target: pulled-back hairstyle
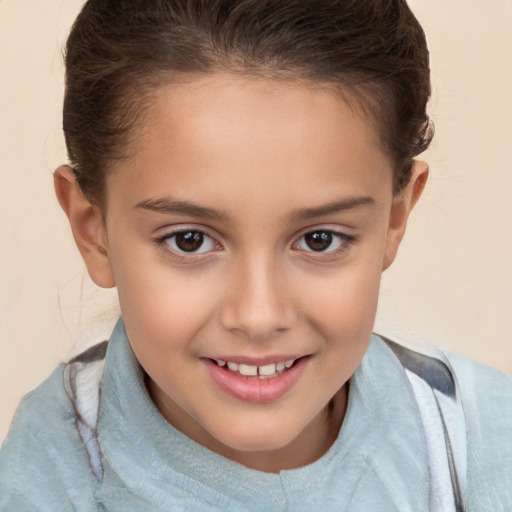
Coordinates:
[119,51]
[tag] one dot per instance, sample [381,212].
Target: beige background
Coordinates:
[452,283]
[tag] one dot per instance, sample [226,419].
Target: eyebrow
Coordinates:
[347,203]
[170,206]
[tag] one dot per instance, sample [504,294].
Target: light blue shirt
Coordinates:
[378,463]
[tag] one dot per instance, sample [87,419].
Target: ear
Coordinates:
[87,225]
[401,208]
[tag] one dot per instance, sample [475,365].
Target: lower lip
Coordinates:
[254,389]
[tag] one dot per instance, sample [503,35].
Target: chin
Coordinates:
[254,437]
[260,442]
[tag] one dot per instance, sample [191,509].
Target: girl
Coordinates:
[242,172]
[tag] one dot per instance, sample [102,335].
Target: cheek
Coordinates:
[347,328]
[162,305]
[344,302]
[343,310]
[162,321]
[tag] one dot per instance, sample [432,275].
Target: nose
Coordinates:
[259,302]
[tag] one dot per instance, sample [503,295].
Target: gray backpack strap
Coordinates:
[83,379]
[438,396]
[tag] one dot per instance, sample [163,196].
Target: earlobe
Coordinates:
[401,209]
[87,225]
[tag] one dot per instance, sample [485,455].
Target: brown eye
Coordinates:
[318,240]
[324,240]
[192,242]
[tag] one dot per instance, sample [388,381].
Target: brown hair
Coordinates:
[119,51]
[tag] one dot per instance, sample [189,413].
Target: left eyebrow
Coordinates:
[347,203]
[167,205]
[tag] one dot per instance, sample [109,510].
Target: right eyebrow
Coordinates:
[341,205]
[169,206]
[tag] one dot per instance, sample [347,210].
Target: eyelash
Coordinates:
[163,242]
[345,243]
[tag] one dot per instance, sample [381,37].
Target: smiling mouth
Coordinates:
[267,371]
[265,382]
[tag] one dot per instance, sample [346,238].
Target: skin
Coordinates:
[270,161]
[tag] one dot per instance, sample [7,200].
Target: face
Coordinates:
[246,238]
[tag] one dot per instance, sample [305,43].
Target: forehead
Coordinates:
[228,135]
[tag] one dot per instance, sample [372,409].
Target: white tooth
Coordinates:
[280,367]
[289,363]
[233,366]
[268,369]
[248,370]
[220,362]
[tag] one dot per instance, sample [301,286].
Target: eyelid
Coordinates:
[162,240]
[347,241]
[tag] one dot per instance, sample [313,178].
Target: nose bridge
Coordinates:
[258,303]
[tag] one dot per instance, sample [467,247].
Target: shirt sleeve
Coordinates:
[487,401]
[43,465]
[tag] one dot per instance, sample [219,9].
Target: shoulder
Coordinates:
[487,400]
[486,393]
[43,464]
